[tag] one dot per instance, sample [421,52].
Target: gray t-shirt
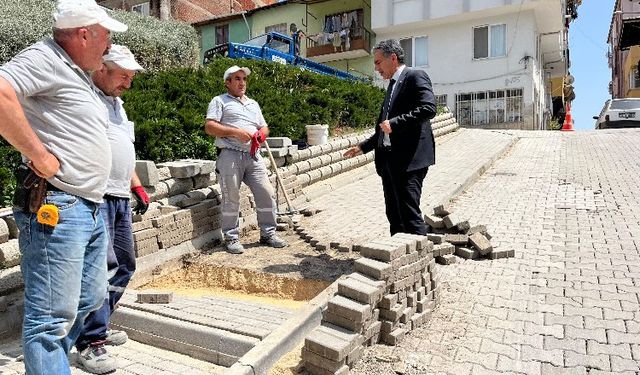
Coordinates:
[123,154]
[63,109]
[230,111]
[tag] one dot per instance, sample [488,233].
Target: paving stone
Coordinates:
[152,296]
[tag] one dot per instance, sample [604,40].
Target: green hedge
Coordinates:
[157,44]
[169,107]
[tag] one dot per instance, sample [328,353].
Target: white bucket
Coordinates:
[317,134]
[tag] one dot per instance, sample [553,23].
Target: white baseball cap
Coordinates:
[70,14]
[122,56]
[235,69]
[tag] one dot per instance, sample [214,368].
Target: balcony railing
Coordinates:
[348,43]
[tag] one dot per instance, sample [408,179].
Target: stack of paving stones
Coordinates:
[10,275]
[393,291]
[185,206]
[444,124]
[453,234]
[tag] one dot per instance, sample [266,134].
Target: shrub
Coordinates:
[157,44]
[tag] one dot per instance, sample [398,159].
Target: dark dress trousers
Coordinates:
[404,165]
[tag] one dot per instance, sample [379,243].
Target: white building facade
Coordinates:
[492,62]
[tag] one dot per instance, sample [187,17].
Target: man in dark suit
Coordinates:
[403,141]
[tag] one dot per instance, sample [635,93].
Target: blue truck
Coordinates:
[274,47]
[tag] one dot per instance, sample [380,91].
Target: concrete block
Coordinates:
[321,362]
[181,169]
[147,172]
[14,232]
[9,254]
[4,231]
[373,268]
[480,242]
[366,279]
[206,166]
[278,142]
[385,252]
[158,191]
[394,337]
[328,345]
[393,314]
[498,254]
[443,210]
[178,186]
[422,242]
[359,291]
[145,234]
[388,301]
[141,225]
[446,259]
[443,249]
[434,221]
[154,296]
[350,309]
[480,228]
[454,220]
[436,238]
[456,239]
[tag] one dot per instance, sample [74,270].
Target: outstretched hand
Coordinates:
[353,151]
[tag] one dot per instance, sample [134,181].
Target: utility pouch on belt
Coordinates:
[31,190]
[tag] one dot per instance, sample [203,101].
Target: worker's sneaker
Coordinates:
[115,337]
[273,241]
[234,247]
[96,360]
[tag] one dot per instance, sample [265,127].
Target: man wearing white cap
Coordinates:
[113,79]
[239,127]
[52,114]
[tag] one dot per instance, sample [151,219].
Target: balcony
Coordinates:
[342,45]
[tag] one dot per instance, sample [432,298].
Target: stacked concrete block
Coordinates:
[9,253]
[393,291]
[454,234]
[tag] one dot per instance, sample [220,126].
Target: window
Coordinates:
[489,107]
[489,41]
[634,78]
[222,34]
[141,8]
[441,100]
[415,50]
[279,28]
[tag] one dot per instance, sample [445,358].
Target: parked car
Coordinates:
[619,113]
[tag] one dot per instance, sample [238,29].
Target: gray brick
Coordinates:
[600,362]
[154,296]
[359,291]
[434,221]
[384,252]
[350,309]
[372,268]
[480,242]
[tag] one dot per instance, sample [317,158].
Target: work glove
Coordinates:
[257,139]
[141,198]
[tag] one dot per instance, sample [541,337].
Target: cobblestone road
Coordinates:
[355,213]
[568,303]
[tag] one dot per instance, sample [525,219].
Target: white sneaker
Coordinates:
[115,337]
[96,360]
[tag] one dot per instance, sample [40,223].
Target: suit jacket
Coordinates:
[411,108]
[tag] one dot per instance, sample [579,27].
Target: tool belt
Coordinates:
[31,190]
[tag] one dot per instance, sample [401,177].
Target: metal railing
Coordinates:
[324,43]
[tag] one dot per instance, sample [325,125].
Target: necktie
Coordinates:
[385,108]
